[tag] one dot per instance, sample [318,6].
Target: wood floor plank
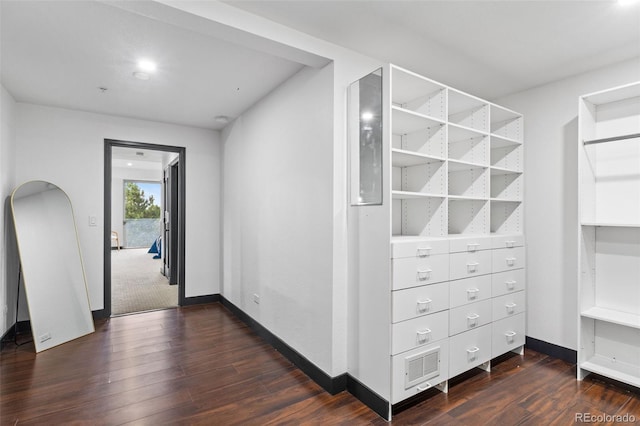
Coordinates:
[62,410]
[608,398]
[500,397]
[202,365]
[548,403]
[251,410]
[324,409]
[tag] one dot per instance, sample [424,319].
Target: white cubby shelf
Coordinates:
[414,92]
[405,195]
[613,316]
[498,141]
[506,125]
[468,111]
[461,152]
[614,369]
[405,121]
[404,158]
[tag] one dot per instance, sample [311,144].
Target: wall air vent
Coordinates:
[421,367]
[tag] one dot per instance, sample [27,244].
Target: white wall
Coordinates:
[551,199]
[8,259]
[348,66]
[67,148]
[277,203]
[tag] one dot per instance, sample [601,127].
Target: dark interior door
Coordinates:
[171,228]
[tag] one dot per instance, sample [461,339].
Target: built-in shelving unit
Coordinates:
[609,234]
[443,292]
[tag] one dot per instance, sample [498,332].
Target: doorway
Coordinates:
[144,227]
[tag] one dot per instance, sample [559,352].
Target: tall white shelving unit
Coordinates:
[438,284]
[609,234]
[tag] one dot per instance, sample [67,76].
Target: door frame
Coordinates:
[171,177]
[108,148]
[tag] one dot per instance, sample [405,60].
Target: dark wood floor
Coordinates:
[201,365]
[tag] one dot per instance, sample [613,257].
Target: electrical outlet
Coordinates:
[93,221]
[46,336]
[256,298]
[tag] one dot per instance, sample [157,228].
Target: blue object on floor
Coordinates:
[156,247]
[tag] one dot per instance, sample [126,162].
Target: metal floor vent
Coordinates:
[421,367]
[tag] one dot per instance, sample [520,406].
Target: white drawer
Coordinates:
[399,388]
[508,258]
[413,302]
[413,271]
[419,331]
[470,349]
[469,317]
[507,282]
[507,241]
[469,290]
[508,305]
[508,334]
[419,248]
[466,265]
[470,243]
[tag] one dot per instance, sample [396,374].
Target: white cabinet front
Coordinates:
[507,241]
[466,265]
[470,244]
[417,301]
[470,349]
[418,370]
[419,248]
[411,271]
[507,282]
[508,305]
[419,331]
[508,258]
[508,334]
[469,317]
[469,290]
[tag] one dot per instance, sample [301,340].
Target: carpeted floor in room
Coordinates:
[137,284]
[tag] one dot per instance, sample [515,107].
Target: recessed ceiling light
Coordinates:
[222,119]
[147,65]
[129,164]
[141,75]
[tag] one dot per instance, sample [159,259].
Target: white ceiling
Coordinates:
[60,53]
[488,48]
[142,159]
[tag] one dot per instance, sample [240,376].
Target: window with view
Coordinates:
[142,213]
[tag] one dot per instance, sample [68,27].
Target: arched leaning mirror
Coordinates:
[51,264]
